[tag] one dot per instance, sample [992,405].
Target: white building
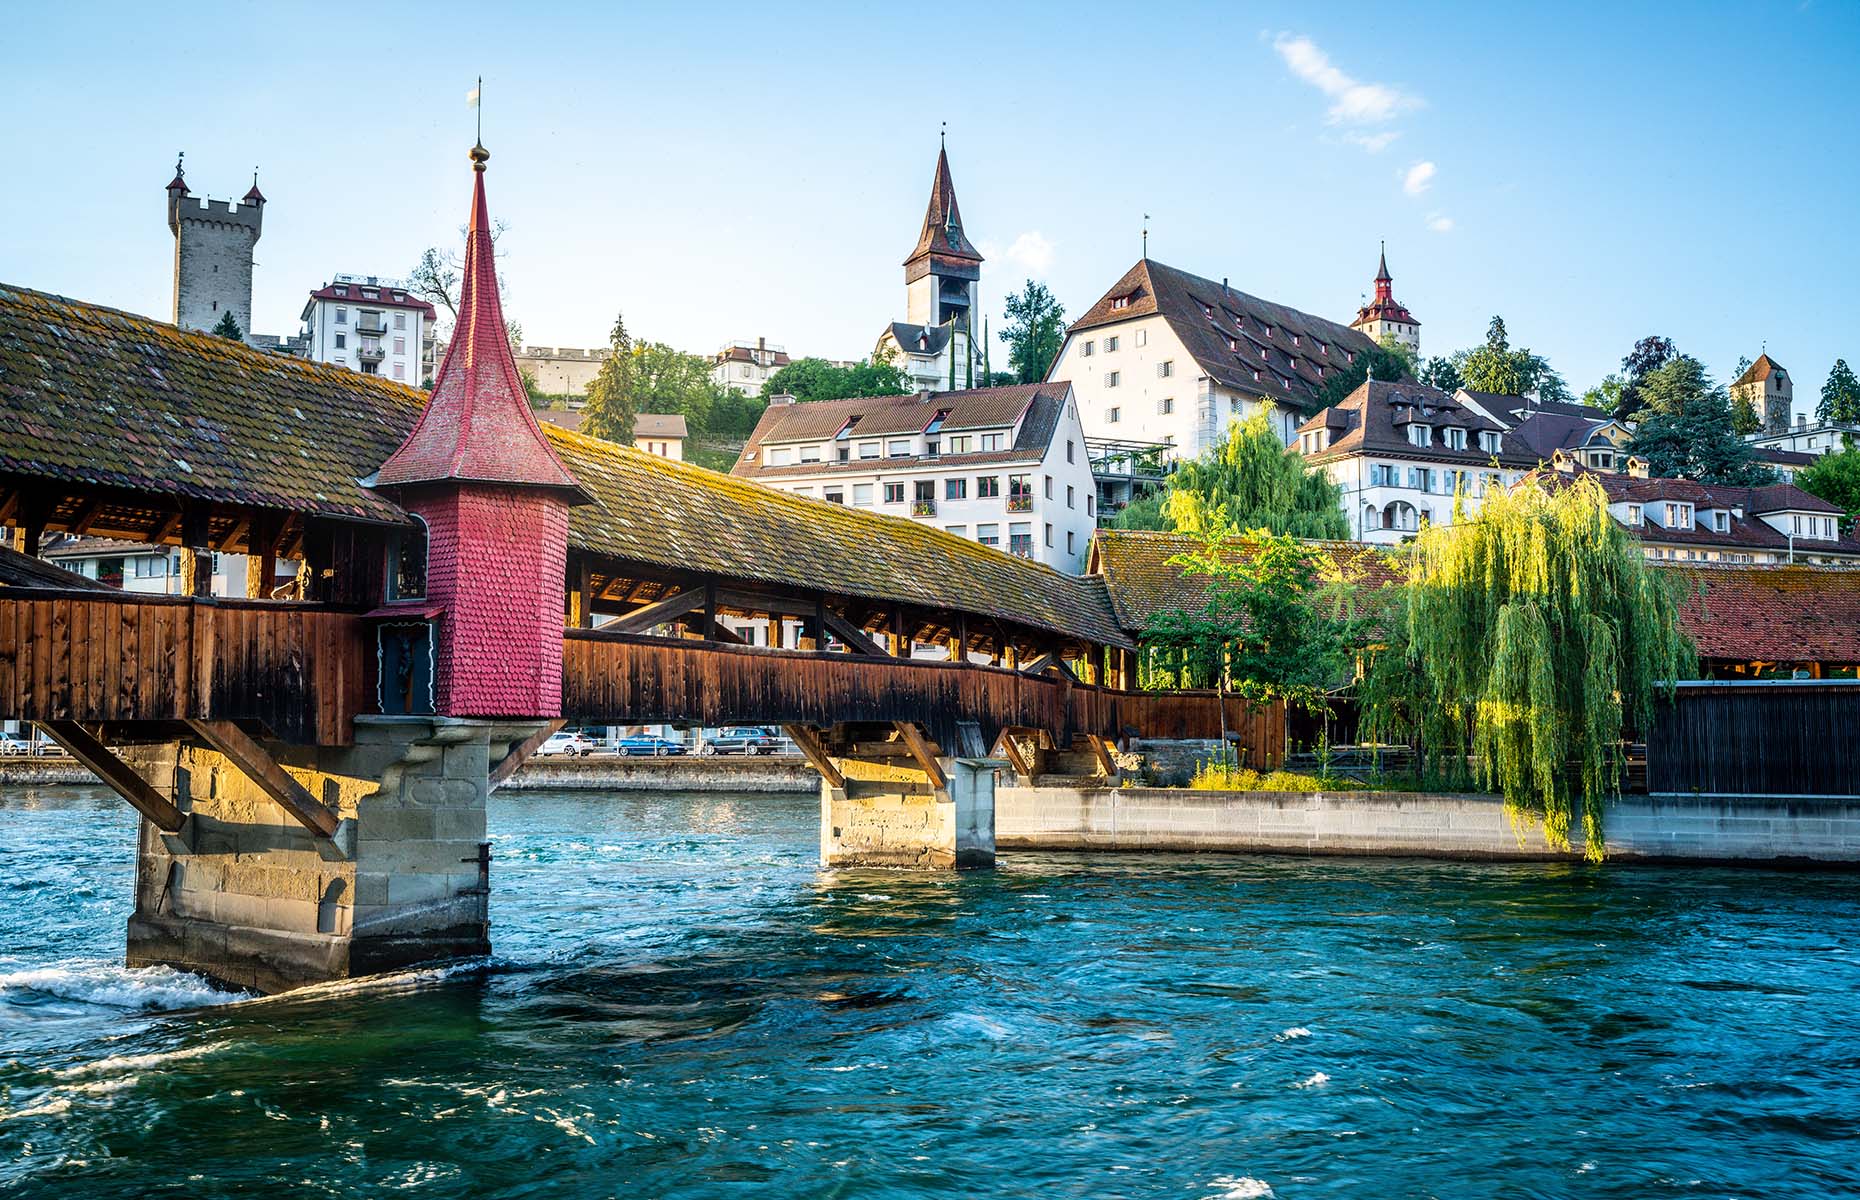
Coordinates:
[662,434]
[1403,453]
[745,366]
[1822,437]
[935,345]
[151,570]
[1005,467]
[1169,357]
[370,325]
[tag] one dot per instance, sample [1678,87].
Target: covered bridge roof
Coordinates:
[90,396]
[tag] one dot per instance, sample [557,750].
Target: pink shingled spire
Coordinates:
[478,426]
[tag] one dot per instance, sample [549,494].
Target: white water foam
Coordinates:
[138,989]
[1317,1080]
[1293,1034]
[1240,1187]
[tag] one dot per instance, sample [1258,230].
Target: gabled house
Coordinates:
[1005,467]
[1405,453]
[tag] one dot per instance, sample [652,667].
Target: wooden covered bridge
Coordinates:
[457,581]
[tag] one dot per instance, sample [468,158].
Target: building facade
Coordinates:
[213,244]
[1168,358]
[744,366]
[1405,454]
[662,434]
[560,370]
[1814,440]
[154,570]
[1385,317]
[369,324]
[1006,467]
[936,345]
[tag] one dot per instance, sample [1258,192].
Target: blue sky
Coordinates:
[1592,173]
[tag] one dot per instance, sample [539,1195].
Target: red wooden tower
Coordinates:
[495,499]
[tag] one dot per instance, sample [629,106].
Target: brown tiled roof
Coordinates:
[19,570]
[1758,371]
[1377,415]
[1542,434]
[1143,584]
[920,339]
[1772,613]
[659,425]
[682,517]
[887,416]
[1747,532]
[777,358]
[1227,332]
[939,218]
[93,396]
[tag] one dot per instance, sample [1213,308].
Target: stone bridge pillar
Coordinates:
[886,806]
[248,896]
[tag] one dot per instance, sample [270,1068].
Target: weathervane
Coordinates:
[1146,235]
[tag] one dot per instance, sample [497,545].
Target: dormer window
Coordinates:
[1456,438]
[1420,435]
[1121,302]
[1268,331]
[1679,516]
[1323,347]
[1721,521]
[1295,340]
[1488,441]
[1634,517]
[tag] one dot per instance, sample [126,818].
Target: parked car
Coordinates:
[646,743]
[14,746]
[740,739]
[567,742]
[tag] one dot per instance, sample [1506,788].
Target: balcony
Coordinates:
[1020,503]
[923,508]
[371,351]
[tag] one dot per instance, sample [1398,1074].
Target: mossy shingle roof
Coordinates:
[90,396]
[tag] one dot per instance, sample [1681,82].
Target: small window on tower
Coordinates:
[407,563]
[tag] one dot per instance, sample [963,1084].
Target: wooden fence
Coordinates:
[631,679]
[1780,738]
[94,656]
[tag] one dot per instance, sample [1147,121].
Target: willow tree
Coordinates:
[1537,636]
[1251,480]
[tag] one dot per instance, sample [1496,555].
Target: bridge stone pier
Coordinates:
[249,895]
[884,806]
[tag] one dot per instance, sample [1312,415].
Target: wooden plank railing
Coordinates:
[622,678]
[93,656]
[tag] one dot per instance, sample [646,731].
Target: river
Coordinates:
[683,1005]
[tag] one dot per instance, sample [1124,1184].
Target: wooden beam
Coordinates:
[261,547]
[815,752]
[1010,746]
[719,632]
[1105,762]
[98,759]
[659,612]
[9,500]
[86,517]
[580,593]
[520,753]
[852,635]
[920,750]
[263,770]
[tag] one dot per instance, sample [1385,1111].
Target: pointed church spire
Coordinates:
[942,232]
[477,426]
[1382,268]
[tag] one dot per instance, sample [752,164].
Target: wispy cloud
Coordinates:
[1440,222]
[1031,252]
[1353,102]
[1375,143]
[1418,178]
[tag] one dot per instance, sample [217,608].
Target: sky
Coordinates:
[716,172]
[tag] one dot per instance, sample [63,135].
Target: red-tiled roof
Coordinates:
[478,425]
[1746,532]
[1375,419]
[1772,613]
[1758,371]
[386,296]
[1036,406]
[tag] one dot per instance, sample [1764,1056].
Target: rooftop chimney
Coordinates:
[781,398]
[1637,466]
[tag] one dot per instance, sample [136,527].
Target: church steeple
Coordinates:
[942,234]
[1385,316]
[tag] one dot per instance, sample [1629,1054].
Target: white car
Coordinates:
[14,746]
[567,742]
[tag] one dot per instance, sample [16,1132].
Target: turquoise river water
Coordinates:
[683,1005]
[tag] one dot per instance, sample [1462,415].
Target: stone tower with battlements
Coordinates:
[213,243]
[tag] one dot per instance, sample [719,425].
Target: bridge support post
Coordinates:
[254,897]
[890,809]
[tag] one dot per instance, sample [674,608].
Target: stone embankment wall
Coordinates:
[1755,829]
[677,774]
[43,772]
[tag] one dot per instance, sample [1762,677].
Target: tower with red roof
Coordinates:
[480,474]
[1385,316]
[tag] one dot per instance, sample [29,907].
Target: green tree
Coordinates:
[1380,363]
[1252,480]
[1497,368]
[1439,372]
[611,402]
[1840,395]
[1267,630]
[818,379]
[1744,418]
[1538,637]
[1035,330]
[1648,355]
[1836,478]
[228,327]
[1605,395]
[1684,428]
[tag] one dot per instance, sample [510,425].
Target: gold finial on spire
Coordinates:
[479,155]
